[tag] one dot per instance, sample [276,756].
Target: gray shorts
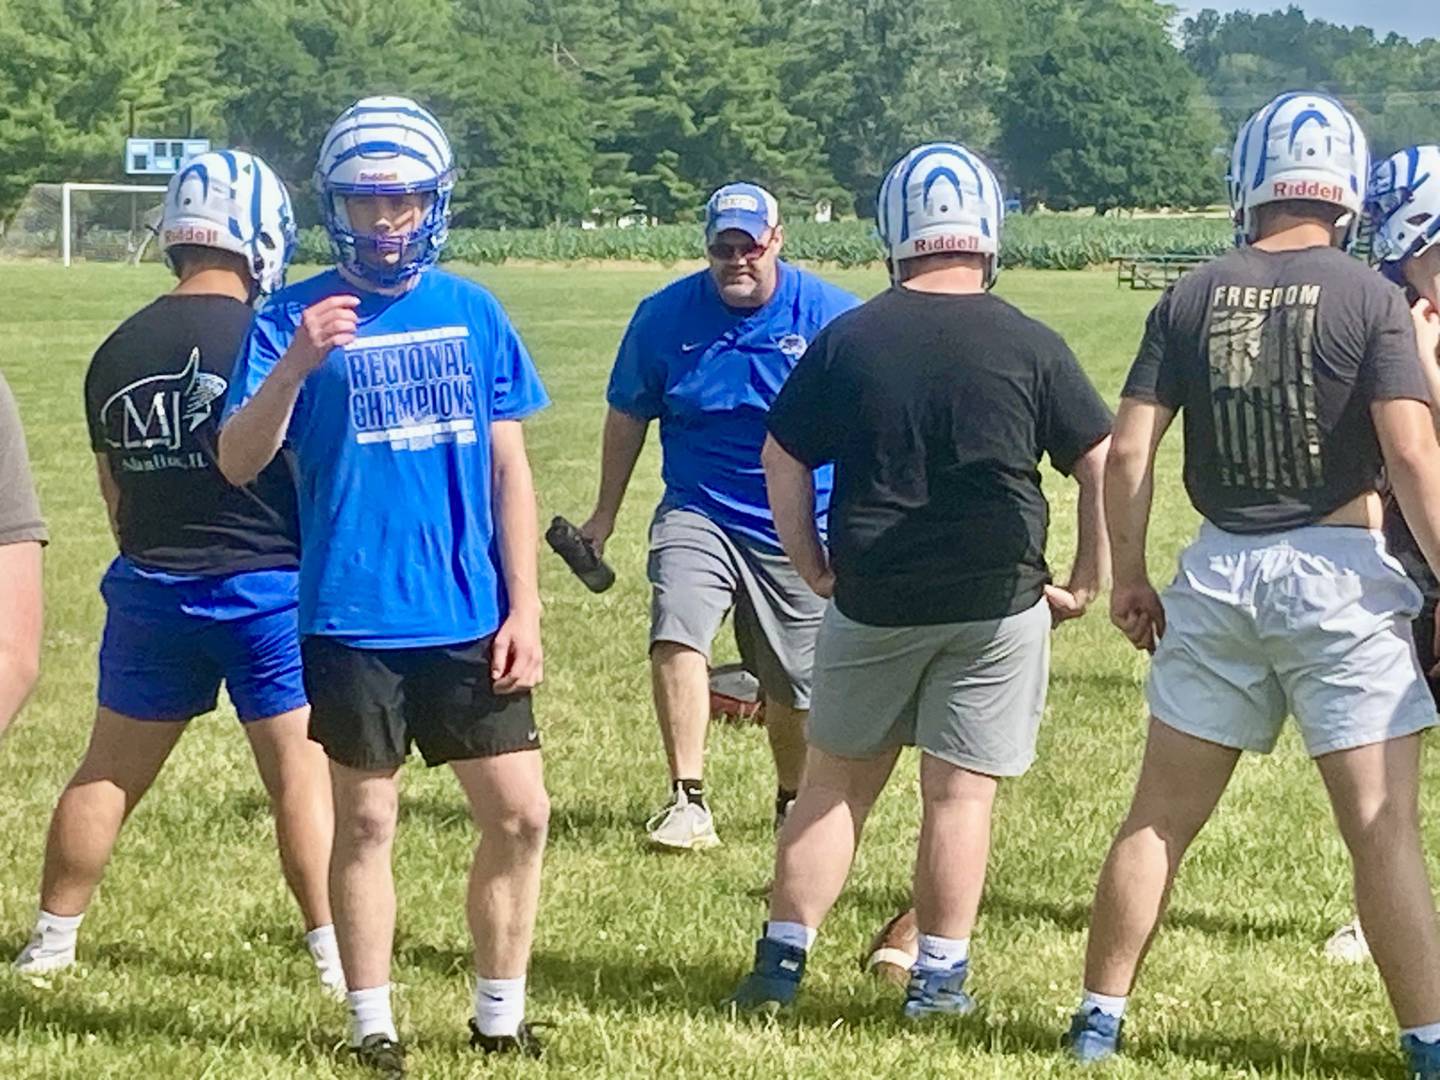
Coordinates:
[971,693]
[699,572]
[1314,623]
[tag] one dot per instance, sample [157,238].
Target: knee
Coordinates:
[1383,820]
[369,826]
[521,824]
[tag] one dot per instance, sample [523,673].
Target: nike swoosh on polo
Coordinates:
[690,346]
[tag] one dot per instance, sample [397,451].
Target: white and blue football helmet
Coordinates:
[1404,208]
[233,201]
[1303,145]
[941,198]
[385,146]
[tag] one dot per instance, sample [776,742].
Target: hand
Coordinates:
[598,530]
[822,584]
[1427,330]
[1137,611]
[329,324]
[517,661]
[1067,602]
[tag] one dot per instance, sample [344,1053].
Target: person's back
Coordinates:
[1273,358]
[937,409]
[153,396]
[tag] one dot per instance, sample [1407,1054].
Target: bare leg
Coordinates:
[123,759]
[297,779]
[785,727]
[821,832]
[362,888]
[512,811]
[954,847]
[681,680]
[1375,791]
[1181,781]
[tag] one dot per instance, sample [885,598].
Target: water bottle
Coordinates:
[580,555]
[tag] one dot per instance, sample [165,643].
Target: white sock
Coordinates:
[1425,1033]
[797,935]
[370,1014]
[499,1005]
[941,953]
[325,951]
[58,933]
[1110,1006]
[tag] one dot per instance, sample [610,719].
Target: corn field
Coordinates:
[1036,242]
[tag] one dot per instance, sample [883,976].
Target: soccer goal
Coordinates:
[90,222]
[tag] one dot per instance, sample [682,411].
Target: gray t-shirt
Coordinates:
[1274,359]
[19,508]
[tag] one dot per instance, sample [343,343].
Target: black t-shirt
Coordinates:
[936,410]
[1275,358]
[153,397]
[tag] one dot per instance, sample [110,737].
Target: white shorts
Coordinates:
[1314,622]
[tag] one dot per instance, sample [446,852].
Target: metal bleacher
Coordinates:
[1155,271]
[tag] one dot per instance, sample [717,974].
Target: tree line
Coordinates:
[562,110]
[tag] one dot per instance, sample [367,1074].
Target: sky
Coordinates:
[1415,19]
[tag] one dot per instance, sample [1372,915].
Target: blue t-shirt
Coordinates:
[709,373]
[391,436]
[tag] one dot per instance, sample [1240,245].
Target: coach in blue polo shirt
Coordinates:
[706,356]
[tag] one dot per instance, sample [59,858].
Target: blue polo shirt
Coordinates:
[709,373]
[391,437]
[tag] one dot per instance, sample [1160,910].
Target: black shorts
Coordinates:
[368,705]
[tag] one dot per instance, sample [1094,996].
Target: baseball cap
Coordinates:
[747,207]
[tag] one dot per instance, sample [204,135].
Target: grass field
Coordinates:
[191,959]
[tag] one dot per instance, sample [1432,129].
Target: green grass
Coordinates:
[191,960]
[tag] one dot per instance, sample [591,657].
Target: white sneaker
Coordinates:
[1348,945]
[40,958]
[683,826]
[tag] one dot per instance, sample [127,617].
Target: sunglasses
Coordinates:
[749,252]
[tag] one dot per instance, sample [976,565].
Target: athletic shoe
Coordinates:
[683,825]
[39,959]
[1348,945]
[1094,1036]
[938,993]
[774,980]
[1424,1058]
[523,1042]
[892,952]
[382,1055]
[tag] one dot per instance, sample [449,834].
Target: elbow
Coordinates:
[232,467]
[1089,470]
[22,664]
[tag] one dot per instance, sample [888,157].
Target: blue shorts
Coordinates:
[171,639]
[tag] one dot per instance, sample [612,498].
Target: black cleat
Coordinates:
[382,1055]
[523,1042]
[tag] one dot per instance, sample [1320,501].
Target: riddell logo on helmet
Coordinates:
[947,243]
[190,234]
[1308,189]
[378,177]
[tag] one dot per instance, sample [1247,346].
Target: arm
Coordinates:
[517,661]
[1129,489]
[1412,461]
[619,450]
[110,492]
[791,486]
[252,437]
[1090,572]
[21,624]
[1427,336]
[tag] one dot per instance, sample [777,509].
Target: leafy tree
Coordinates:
[69,72]
[1109,115]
